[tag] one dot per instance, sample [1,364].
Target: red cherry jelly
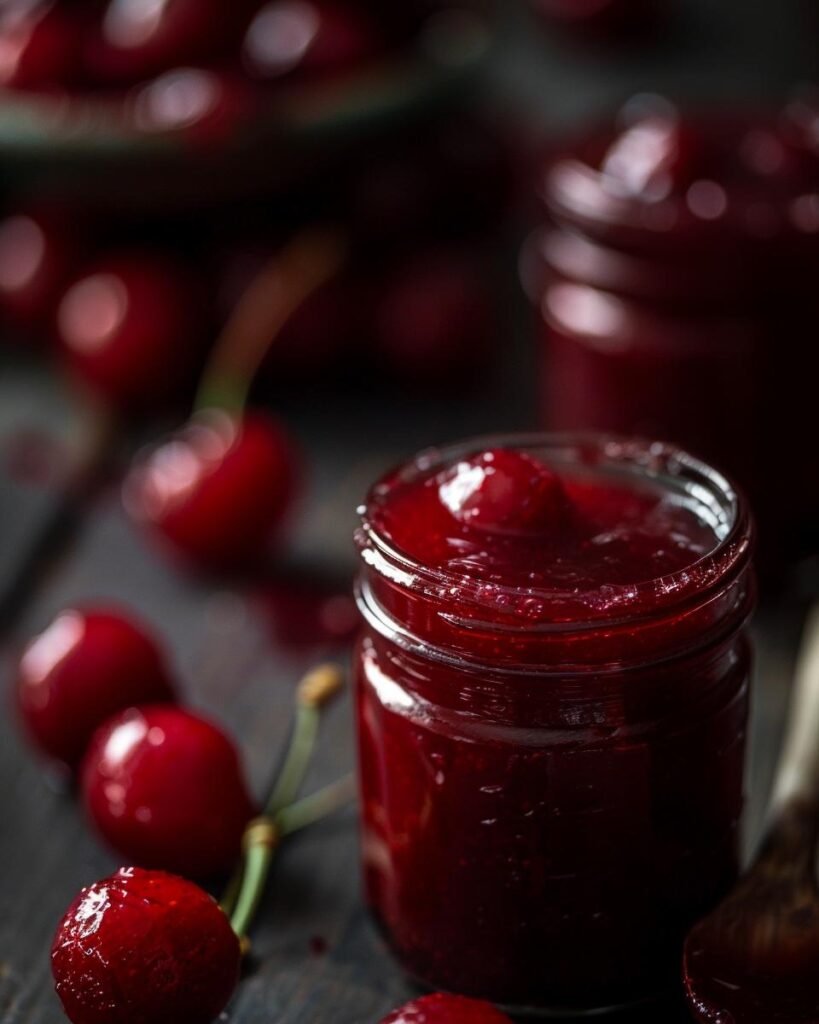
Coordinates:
[440,1008]
[552,707]
[143,947]
[504,490]
[165,788]
[216,492]
[675,288]
[85,666]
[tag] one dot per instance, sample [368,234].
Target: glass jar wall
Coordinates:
[552,681]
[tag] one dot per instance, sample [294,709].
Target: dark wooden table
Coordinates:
[316,957]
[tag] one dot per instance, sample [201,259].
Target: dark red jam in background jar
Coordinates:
[675,279]
[552,682]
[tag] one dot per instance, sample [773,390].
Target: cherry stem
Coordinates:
[271,298]
[318,805]
[263,837]
[281,814]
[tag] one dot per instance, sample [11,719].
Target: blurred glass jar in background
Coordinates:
[673,279]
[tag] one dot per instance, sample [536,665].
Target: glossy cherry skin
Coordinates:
[216,492]
[130,327]
[39,251]
[505,490]
[441,1008]
[306,40]
[144,947]
[84,667]
[39,45]
[204,105]
[136,39]
[165,788]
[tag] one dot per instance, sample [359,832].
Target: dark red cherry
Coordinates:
[165,788]
[130,327]
[136,39]
[435,317]
[505,490]
[217,491]
[38,255]
[144,947]
[441,1008]
[84,667]
[308,39]
[205,105]
[39,45]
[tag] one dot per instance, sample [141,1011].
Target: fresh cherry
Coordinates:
[505,490]
[205,105]
[217,491]
[38,254]
[39,45]
[130,327]
[308,39]
[84,667]
[136,39]
[165,788]
[434,318]
[441,1008]
[144,947]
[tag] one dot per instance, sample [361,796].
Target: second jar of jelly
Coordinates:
[552,686]
[674,284]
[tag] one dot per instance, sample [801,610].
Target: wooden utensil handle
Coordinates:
[797,777]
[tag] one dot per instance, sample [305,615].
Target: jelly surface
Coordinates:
[581,533]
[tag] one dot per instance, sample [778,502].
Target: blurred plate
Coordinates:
[93,147]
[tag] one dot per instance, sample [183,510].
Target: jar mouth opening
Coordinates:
[718,501]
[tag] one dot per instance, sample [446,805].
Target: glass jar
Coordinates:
[673,286]
[552,781]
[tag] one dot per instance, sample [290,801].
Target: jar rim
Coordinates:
[720,500]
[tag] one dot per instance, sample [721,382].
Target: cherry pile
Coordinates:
[115,45]
[163,786]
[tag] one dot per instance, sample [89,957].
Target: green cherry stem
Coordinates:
[309,260]
[282,815]
[264,835]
